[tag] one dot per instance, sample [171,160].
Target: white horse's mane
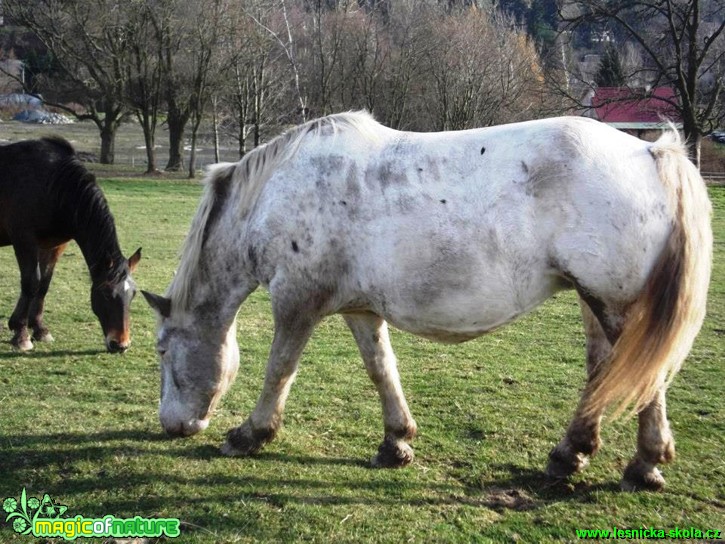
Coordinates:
[249,176]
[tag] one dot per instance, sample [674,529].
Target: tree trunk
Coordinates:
[150,155]
[242,135]
[176,121]
[258,94]
[693,138]
[192,155]
[150,140]
[215,127]
[108,142]
[695,151]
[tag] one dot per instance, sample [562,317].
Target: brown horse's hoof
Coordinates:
[244,441]
[642,476]
[22,343]
[43,336]
[393,453]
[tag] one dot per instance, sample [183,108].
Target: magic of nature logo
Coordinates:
[44,518]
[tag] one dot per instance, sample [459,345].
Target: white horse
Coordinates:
[445,235]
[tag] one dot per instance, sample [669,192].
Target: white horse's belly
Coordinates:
[454,289]
[458,315]
[452,324]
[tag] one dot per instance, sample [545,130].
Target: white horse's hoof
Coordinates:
[642,476]
[563,463]
[245,441]
[393,453]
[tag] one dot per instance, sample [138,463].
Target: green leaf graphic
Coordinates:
[14,515]
[24,503]
[20,514]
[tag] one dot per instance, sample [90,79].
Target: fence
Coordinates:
[714,178]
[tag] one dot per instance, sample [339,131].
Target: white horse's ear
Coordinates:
[161,305]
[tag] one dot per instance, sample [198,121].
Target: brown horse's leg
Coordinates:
[654,445]
[26,253]
[582,436]
[47,259]
[371,333]
[291,333]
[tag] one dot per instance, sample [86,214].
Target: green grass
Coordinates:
[81,425]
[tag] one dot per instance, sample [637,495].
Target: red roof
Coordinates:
[623,105]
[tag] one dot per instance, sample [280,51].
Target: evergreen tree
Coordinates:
[541,22]
[610,73]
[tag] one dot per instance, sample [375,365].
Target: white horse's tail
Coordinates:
[662,323]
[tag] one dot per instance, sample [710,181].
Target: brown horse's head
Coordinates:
[111,302]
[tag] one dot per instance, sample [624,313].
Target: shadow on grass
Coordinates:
[136,460]
[46,354]
[138,473]
[29,446]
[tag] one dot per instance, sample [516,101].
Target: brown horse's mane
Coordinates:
[81,202]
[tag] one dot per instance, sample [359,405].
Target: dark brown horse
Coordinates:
[47,198]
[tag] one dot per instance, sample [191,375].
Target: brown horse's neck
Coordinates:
[102,255]
[88,220]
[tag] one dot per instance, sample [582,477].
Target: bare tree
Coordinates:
[143,76]
[481,69]
[285,38]
[324,42]
[171,22]
[255,72]
[89,40]
[365,50]
[408,45]
[186,36]
[205,66]
[683,45]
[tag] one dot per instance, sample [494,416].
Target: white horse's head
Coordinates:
[198,365]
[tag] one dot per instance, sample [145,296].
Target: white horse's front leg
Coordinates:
[371,334]
[290,337]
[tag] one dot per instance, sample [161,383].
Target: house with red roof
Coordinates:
[636,111]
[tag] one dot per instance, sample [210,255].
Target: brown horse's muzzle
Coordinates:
[117,343]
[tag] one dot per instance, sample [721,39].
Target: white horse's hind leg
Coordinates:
[654,440]
[291,333]
[654,445]
[582,437]
[371,334]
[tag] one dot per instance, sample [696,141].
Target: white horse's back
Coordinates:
[450,235]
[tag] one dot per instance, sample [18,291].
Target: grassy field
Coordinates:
[81,425]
